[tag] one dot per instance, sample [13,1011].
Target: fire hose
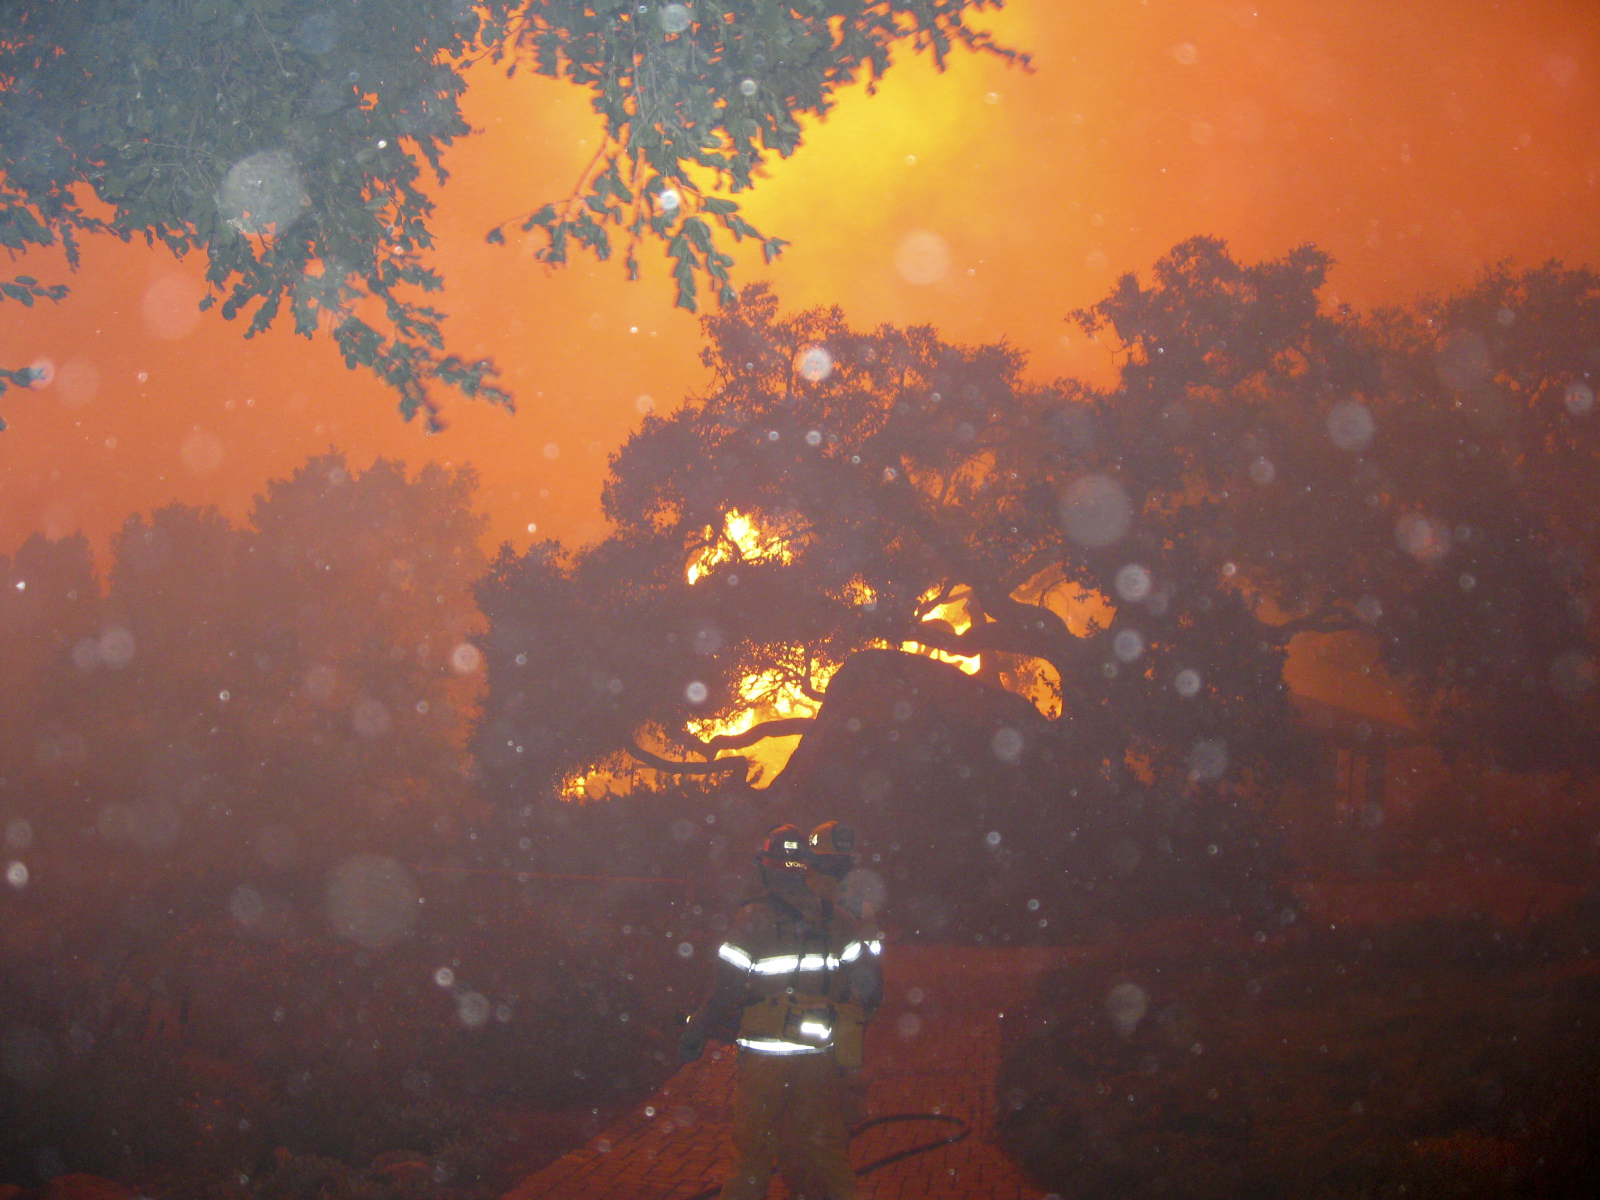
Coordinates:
[961,1131]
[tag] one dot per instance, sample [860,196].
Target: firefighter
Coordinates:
[832,870]
[833,863]
[792,971]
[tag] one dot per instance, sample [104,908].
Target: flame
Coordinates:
[773,694]
[954,614]
[767,696]
[741,540]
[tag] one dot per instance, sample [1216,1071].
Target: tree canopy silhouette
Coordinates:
[290,141]
[284,694]
[1136,560]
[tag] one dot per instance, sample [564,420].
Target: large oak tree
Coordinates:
[1135,559]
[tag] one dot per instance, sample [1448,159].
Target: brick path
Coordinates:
[935,1047]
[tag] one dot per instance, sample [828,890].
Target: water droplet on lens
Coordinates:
[1350,425]
[1126,1004]
[1007,745]
[814,363]
[1579,398]
[1133,582]
[1095,510]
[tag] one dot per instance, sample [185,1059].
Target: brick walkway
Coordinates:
[935,1048]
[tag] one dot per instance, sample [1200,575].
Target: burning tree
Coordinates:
[1133,562]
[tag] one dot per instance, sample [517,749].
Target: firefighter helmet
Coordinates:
[783,847]
[833,848]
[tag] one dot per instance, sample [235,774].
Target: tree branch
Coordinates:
[983,638]
[760,732]
[807,688]
[1021,628]
[668,766]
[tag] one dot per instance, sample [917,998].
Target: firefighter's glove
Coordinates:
[692,1043]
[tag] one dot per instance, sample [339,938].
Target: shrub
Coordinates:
[1429,1060]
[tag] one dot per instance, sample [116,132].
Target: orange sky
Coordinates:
[1413,139]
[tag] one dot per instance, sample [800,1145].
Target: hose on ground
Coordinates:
[962,1130]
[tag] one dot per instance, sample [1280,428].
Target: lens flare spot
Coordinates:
[1127,645]
[1350,425]
[922,257]
[814,363]
[673,18]
[262,192]
[1095,510]
[1208,761]
[170,307]
[371,900]
[202,452]
[1133,582]
[465,659]
[1423,537]
[1126,1005]
[1007,746]
[1579,398]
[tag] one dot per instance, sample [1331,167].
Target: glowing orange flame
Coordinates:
[741,540]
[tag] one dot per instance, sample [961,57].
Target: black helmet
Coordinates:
[783,848]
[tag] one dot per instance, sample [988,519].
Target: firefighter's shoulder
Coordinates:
[754,918]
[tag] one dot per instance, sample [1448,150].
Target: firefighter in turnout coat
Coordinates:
[796,981]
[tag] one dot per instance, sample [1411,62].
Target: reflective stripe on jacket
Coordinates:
[799,966]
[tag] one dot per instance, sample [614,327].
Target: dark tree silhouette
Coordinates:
[1485,460]
[50,622]
[1137,560]
[356,679]
[277,696]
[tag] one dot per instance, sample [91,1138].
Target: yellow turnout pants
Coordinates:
[789,1110]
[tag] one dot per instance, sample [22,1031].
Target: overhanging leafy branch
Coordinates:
[286,140]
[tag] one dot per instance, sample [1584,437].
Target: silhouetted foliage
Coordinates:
[1486,453]
[1435,1058]
[290,140]
[50,613]
[277,696]
[356,595]
[1135,560]
[185,1041]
